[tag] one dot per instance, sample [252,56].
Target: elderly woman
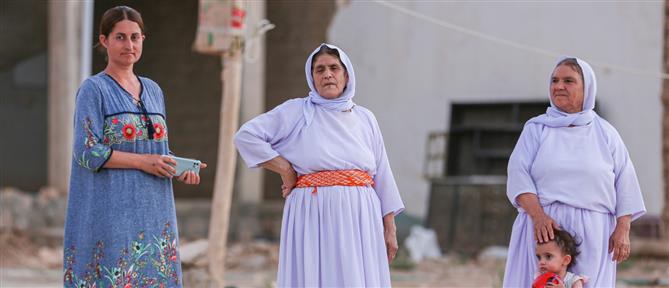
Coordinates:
[570,170]
[338,225]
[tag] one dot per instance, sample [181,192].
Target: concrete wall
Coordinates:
[23,94]
[410,71]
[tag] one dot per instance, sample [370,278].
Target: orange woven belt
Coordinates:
[334,178]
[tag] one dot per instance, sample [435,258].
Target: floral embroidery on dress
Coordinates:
[132,127]
[129,131]
[91,142]
[159,131]
[144,263]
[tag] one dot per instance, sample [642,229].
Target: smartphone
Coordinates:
[186,164]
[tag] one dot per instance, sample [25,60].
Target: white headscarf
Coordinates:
[343,102]
[555,117]
[530,167]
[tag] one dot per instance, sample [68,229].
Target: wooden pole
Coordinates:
[64,78]
[227,156]
[665,125]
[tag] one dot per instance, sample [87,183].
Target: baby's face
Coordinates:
[551,258]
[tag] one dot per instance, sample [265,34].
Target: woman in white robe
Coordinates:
[570,170]
[334,234]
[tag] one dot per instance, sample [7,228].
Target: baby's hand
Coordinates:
[553,285]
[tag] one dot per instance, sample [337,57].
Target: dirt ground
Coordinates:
[25,264]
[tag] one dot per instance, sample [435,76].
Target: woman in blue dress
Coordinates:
[121,228]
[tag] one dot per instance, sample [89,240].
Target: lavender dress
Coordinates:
[333,238]
[121,228]
[580,170]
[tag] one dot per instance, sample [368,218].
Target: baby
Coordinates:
[556,257]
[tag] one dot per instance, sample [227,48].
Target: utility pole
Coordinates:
[227,158]
[220,32]
[69,64]
[665,124]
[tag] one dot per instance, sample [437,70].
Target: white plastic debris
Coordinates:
[493,253]
[422,243]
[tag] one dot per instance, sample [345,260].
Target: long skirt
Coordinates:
[593,229]
[333,238]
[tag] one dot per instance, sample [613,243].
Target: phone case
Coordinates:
[185,164]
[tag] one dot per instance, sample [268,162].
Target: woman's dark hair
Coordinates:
[573,64]
[115,15]
[325,50]
[118,14]
[568,245]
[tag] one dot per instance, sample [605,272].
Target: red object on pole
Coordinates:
[219,23]
[237,21]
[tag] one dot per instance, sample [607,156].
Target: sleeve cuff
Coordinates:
[111,151]
[395,211]
[635,215]
[256,163]
[514,201]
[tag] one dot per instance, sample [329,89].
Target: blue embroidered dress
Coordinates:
[121,228]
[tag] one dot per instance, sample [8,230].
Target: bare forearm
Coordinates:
[530,203]
[155,164]
[543,224]
[285,169]
[624,222]
[389,222]
[279,165]
[389,236]
[124,160]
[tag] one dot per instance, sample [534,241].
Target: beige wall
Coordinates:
[410,71]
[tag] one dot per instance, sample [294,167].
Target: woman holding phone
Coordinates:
[121,228]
